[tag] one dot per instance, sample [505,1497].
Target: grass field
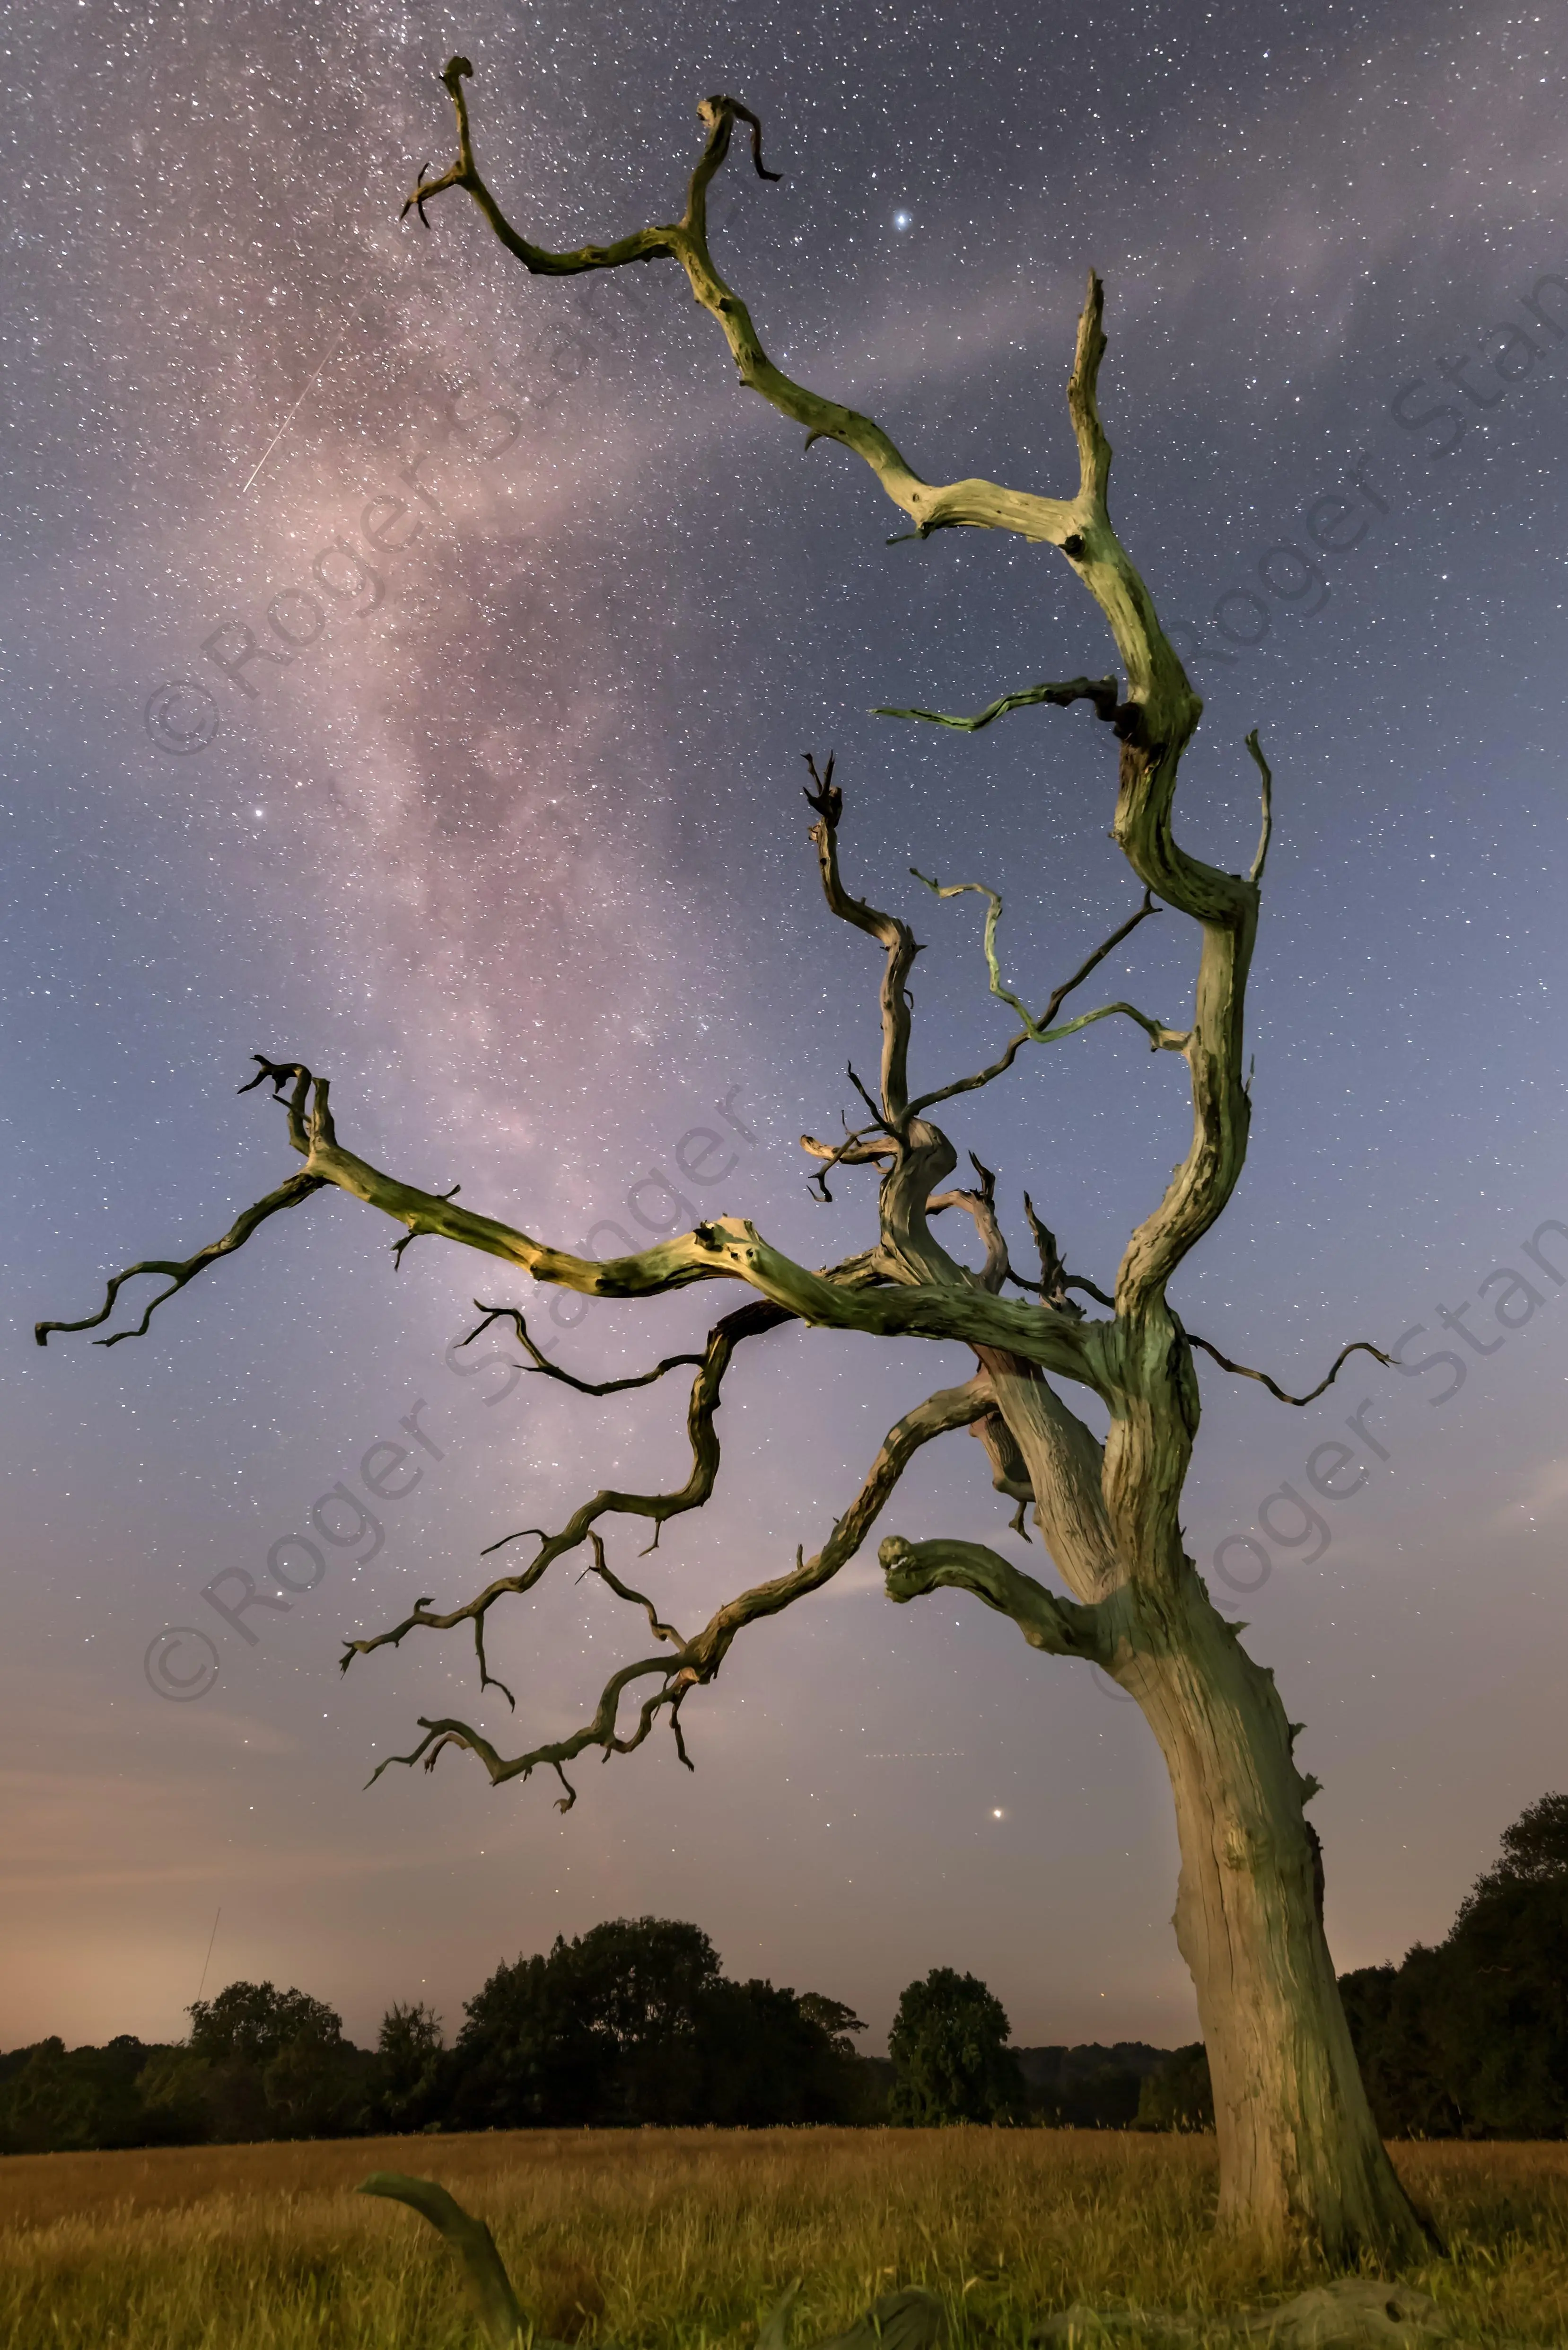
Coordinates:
[685,2238]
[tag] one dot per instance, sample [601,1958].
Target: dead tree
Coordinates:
[1301,2162]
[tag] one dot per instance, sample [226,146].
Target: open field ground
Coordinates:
[685,2238]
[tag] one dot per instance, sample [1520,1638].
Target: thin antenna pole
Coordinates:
[207,1962]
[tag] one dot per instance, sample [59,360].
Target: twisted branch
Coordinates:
[287,1195]
[748,1321]
[1061,1628]
[1153,720]
[976,504]
[1161,1038]
[896,938]
[907,1287]
[660,1630]
[1037,1030]
[920,1155]
[1105,693]
[857,1149]
[982,1206]
[697,1661]
[1266,834]
[1356,1347]
[542,1362]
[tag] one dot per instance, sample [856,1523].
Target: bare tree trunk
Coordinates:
[1301,2162]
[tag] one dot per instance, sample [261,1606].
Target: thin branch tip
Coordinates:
[1104,692]
[1259,861]
[712,112]
[1241,1370]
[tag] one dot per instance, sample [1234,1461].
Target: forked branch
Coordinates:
[896,938]
[1154,720]
[1038,1031]
[601,1567]
[697,1661]
[177,1273]
[930,1301]
[541,1364]
[980,1205]
[707,1391]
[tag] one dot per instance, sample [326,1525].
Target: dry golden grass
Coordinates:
[678,2240]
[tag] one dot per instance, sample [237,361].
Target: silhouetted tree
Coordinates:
[637,1986]
[952,2060]
[408,2078]
[251,2023]
[262,2063]
[1471,2038]
[632,2022]
[55,2100]
[767,2058]
[1535,1851]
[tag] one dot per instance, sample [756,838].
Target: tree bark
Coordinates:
[1301,2162]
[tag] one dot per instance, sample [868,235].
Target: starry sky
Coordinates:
[405,666]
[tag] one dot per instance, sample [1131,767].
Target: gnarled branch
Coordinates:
[177,1273]
[857,1149]
[697,1661]
[1105,693]
[930,1300]
[982,1206]
[542,1362]
[749,1321]
[601,1567]
[1266,832]
[920,1154]
[1356,1347]
[896,938]
[976,504]
[1161,1038]
[1060,1627]
[1155,719]
[1035,1029]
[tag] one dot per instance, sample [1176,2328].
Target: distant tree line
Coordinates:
[1470,2039]
[635,2023]
[631,2022]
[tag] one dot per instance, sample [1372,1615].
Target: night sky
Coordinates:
[501,828]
